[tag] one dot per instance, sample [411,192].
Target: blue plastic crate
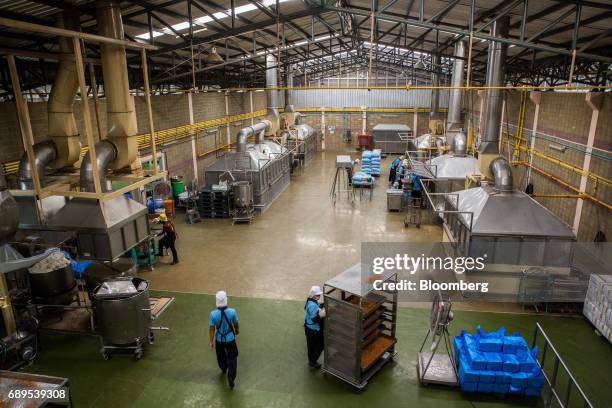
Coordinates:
[516,390]
[469,387]
[485,387]
[485,376]
[519,379]
[500,388]
[502,377]
[511,364]
[494,345]
[533,391]
[536,380]
[494,361]
[466,374]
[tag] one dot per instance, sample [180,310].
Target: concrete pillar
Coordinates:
[323,130]
[251,102]
[364,120]
[227,126]
[482,95]
[536,98]
[595,101]
[501,126]
[194,150]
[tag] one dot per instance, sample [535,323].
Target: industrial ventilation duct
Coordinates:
[454,123]
[496,76]
[435,92]
[121,147]
[63,147]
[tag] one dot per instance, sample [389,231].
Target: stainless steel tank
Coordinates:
[98,272]
[123,318]
[53,287]
[243,194]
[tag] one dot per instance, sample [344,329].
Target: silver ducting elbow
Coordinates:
[44,153]
[298,118]
[106,153]
[460,144]
[244,133]
[502,174]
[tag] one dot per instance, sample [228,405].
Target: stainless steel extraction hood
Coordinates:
[514,214]
[104,229]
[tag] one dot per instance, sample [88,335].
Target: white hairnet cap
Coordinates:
[221,298]
[315,291]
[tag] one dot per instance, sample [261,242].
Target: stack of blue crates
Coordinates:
[375,163]
[366,162]
[495,363]
[361,178]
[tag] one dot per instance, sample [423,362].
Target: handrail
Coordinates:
[552,381]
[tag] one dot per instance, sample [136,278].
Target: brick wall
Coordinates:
[564,120]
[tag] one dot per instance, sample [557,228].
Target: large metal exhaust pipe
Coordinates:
[453,119]
[121,115]
[44,153]
[435,93]
[272,81]
[121,147]
[63,147]
[106,153]
[496,76]
[257,129]
[288,84]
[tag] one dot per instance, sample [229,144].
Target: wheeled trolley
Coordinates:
[359,327]
[123,315]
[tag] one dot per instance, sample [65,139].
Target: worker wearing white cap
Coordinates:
[223,329]
[313,326]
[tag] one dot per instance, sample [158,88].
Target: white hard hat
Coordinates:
[221,298]
[315,291]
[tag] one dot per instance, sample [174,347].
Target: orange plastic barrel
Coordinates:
[169,207]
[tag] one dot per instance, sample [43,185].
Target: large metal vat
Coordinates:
[99,272]
[123,318]
[54,287]
[243,194]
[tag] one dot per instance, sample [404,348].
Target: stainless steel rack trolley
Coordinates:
[359,328]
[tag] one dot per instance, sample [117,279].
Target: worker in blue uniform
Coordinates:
[394,166]
[223,329]
[415,194]
[313,326]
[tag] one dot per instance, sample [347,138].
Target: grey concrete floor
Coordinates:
[300,241]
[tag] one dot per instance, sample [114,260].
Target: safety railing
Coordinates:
[458,223]
[556,393]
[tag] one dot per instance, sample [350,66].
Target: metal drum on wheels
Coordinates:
[123,314]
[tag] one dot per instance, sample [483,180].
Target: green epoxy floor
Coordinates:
[180,370]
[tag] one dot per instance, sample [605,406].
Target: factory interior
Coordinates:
[215,203]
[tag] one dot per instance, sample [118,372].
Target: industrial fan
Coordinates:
[432,367]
